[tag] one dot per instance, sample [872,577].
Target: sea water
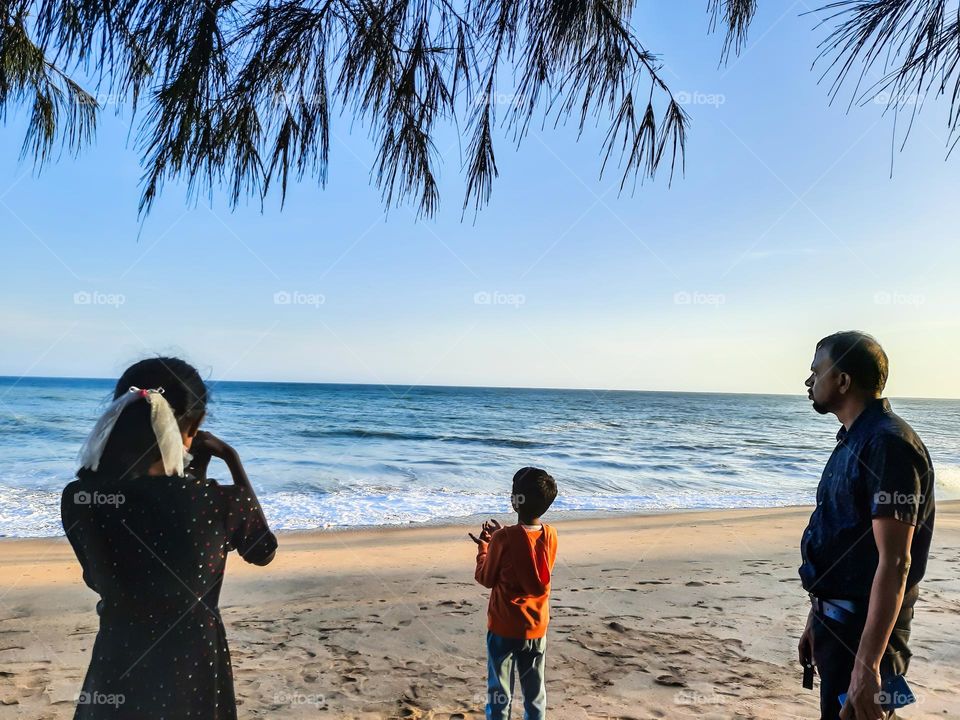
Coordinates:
[351,455]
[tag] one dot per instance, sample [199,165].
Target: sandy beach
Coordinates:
[659,616]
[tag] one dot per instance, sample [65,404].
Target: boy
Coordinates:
[516,562]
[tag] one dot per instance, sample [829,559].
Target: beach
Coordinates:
[693,614]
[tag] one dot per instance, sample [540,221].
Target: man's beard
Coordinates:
[820,408]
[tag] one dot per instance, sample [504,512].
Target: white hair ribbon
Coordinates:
[165,428]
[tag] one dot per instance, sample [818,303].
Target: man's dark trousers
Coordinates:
[835,648]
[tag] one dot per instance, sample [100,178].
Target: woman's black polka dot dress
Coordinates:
[155,549]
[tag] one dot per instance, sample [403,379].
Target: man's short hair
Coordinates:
[534,491]
[860,356]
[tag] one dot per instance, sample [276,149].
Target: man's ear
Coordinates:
[846,382]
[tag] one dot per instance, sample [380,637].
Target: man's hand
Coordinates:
[486,531]
[862,695]
[806,642]
[893,539]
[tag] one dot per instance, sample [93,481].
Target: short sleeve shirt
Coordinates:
[879,468]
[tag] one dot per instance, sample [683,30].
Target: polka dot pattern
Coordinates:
[155,550]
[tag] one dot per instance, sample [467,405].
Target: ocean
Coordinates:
[323,456]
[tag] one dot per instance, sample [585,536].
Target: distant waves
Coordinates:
[345,455]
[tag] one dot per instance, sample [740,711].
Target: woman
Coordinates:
[152,535]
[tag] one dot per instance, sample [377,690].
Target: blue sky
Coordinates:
[787,226]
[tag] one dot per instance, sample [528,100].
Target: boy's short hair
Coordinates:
[534,491]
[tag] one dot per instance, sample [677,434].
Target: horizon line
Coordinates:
[470,387]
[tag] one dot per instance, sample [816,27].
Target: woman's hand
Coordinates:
[208,444]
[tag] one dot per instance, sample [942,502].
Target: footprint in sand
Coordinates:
[669,680]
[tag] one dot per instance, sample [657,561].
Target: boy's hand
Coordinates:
[484,536]
[486,532]
[490,527]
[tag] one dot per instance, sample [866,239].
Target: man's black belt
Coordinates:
[848,611]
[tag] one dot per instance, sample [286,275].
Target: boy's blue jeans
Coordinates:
[527,655]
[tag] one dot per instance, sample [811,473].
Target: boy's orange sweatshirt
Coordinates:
[516,564]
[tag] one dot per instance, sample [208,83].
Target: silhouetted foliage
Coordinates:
[241,93]
[895,52]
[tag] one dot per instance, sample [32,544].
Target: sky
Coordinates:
[786,226]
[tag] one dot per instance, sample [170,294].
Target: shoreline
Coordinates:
[563,516]
[465,521]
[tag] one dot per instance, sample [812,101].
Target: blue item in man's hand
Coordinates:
[895,694]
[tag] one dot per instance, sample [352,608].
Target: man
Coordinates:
[865,548]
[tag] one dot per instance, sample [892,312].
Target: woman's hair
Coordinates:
[132,446]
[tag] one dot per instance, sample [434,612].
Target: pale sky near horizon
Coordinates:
[787,226]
